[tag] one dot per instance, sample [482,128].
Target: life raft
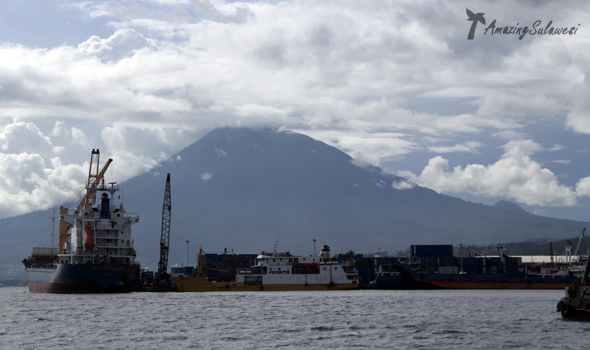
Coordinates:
[88,237]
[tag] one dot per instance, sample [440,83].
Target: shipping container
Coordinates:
[447,261]
[448,270]
[437,250]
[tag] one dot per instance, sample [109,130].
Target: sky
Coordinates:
[396,84]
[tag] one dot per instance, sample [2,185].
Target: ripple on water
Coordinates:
[288,320]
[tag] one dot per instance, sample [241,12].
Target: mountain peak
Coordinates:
[266,157]
[245,141]
[506,205]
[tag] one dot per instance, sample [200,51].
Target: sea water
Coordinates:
[364,319]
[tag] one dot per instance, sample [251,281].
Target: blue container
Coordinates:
[437,250]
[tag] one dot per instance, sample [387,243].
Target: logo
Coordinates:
[521,31]
[475,18]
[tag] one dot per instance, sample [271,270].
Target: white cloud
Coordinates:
[27,184]
[403,185]
[80,138]
[40,170]
[509,135]
[579,114]
[583,186]
[521,148]
[137,150]
[206,176]
[470,147]
[221,153]
[365,147]
[24,137]
[562,161]
[515,176]
[123,43]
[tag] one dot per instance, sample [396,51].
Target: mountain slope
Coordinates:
[244,188]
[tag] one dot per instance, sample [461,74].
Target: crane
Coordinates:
[162,276]
[94,178]
[580,241]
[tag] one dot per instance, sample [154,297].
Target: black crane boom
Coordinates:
[165,237]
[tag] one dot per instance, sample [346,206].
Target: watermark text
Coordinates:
[537,28]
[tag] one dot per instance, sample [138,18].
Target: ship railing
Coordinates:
[132,216]
[40,265]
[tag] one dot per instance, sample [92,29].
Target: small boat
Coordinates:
[576,303]
[278,272]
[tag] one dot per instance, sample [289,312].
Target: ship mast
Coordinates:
[93,180]
[52,228]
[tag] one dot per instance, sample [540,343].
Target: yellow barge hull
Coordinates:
[202,284]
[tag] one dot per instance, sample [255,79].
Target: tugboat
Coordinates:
[95,252]
[576,303]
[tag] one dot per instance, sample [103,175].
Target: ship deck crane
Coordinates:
[94,178]
[162,277]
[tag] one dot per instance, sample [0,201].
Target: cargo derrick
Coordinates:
[94,178]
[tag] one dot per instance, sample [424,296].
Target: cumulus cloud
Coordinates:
[403,185]
[515,176]
[123,43]
[27,184]
[23,137]
[583,186]
[38,170]
[470,147]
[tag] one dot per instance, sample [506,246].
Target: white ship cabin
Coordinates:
[101,234]
[275,262]
[282,269]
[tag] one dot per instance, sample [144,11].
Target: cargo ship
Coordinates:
[278,272]
[491,280]
[95,251]
[435,267]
